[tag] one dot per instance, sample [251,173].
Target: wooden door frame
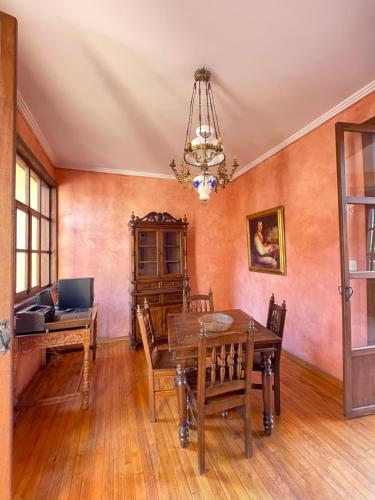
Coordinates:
[8,105]
[346,276]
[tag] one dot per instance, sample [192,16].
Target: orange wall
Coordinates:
[93,240]
[94,210]
[302,178]
[27,365]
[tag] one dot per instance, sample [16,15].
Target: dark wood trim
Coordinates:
[344,259]
[354,127]
[8,107]
[30,159]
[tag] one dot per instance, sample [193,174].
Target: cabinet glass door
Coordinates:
[147,261]
[171,252]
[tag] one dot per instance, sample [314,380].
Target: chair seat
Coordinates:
[164,361]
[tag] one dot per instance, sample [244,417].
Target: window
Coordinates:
[34,231]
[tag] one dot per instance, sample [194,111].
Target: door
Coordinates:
[8,35]
[356,186]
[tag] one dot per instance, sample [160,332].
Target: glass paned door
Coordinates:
[147,249]
[171,252]
[356,184]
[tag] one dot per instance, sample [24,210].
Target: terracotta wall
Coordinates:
[28,365]
[94,210]
[93,239]
[302,178]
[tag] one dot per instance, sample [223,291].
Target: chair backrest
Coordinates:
[231,365]
[200,303]
[276,317]
[148,336]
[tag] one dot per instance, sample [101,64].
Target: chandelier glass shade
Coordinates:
[204,153]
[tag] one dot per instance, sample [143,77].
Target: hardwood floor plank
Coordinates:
[113,451]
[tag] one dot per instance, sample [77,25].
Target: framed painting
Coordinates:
[266,241]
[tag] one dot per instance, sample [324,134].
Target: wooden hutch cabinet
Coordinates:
[158,257]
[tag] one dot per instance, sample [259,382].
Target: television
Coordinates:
[75,293]
[44,298]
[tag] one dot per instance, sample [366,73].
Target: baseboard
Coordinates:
[317,371]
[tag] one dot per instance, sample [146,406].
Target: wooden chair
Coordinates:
[160,365]
[275,322]
[161,342]
[224,385]
[199,303]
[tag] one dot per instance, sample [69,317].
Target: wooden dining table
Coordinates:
[183,339]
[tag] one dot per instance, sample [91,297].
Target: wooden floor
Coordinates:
[112,451]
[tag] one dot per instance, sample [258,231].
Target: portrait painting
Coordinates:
[266,241]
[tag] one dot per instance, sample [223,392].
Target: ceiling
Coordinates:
[107,85]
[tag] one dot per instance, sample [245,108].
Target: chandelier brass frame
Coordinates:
[206,151]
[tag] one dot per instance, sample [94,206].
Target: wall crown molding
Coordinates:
[349,101]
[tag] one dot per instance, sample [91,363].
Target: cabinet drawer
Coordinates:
[172,297]
[172,284]
[151,299]
[147,285]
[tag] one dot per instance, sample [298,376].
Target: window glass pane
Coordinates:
[34,270]
[21,230]
[44,271]
[359,164]
[45,235]
[34,191]
[21,182]
[21,271]
[34,233]
[45,199]
[362,319]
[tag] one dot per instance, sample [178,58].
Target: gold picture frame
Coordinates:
[266,241]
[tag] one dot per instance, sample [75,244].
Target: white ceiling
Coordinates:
[109,83]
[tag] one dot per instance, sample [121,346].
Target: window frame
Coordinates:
[36,168]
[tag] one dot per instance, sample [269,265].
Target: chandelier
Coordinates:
[204,152]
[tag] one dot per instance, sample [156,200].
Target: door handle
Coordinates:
[348,291]
[4,336]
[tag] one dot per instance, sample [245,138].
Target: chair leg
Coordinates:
[201,446]
[151,398]
[248,430]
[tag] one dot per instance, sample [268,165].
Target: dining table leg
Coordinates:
[267,393]
[183,428]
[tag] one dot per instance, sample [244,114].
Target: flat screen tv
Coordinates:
[76,293]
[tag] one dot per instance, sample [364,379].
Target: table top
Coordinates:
[183,330]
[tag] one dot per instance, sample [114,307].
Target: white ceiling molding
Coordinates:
[33,124]
[357,96]
[31,121]
[133,173]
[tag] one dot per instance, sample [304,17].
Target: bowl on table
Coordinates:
[216,322]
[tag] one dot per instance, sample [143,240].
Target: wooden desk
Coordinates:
[183,338]
[71,329]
